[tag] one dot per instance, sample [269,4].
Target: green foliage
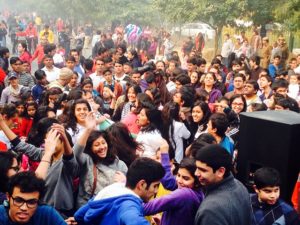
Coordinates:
[289,13]
[261,11]
[221,12]
[98,11]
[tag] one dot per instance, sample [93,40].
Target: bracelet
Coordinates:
[46,161]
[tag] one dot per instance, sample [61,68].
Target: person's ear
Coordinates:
[7,196]
[220,172]
[255,189]
[214,130]
[141,185]
[181,103]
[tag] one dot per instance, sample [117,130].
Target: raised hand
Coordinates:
[164,146]
[71,221]
[119,177]
[60,130]
[90,121]
[51,141]
[1,118]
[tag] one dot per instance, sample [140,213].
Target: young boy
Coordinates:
[267,208]
[41,82]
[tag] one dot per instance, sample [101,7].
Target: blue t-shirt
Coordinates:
[228,144]
[44,215]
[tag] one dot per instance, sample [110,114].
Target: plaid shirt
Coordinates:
[280,213]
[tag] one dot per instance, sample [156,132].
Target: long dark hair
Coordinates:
[206,112]
[46,94]
[72,121]
[137,89]
[143,100]
[203,122]
[6,161]
[170,112]
[110,156]
[26,108]
[37,135]
[122,143]
[190,165]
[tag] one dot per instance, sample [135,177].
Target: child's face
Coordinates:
[268,195]
[20,109]
[31,110]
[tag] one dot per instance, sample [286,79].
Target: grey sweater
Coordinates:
[225,203]
[59,180]
[105,175]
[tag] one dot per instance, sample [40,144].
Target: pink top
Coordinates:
[130,122]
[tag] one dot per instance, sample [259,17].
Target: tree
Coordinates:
[289,13]
[220,12]
[98,11]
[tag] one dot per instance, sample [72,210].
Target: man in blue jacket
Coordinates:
[119,204]
[23,207]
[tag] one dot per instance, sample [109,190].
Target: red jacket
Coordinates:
[2,75]
[38,53]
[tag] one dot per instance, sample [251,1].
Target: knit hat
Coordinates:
[65,73]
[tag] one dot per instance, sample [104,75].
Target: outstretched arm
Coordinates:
[168,181]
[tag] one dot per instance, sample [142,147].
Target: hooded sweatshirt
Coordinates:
[114,205]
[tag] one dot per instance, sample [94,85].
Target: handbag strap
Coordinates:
[95,179]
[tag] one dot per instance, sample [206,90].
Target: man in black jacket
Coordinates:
[226,199]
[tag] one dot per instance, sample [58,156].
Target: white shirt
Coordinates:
[96,80]
[76,135]
[51,75]
[5,140]
[180,133]
[297,70]
[227,48]
[150,141]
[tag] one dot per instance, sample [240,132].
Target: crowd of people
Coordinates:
[135,134]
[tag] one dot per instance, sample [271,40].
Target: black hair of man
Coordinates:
[144,169]
[28,182]
[88,64]
[14,60]
[187,95]
[39,74]
[256,59]
[3,51]
[254,84]
[215,157]
[183,79]
[49,48]
[220,122]
[280,83]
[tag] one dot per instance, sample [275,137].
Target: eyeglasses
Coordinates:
[30,203]
[15,168]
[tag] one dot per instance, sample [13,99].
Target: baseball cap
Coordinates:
[12,75]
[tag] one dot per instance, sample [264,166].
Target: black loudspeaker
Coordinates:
[270,138]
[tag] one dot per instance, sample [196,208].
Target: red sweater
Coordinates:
[39,54]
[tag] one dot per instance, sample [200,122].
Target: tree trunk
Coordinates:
[218,38]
